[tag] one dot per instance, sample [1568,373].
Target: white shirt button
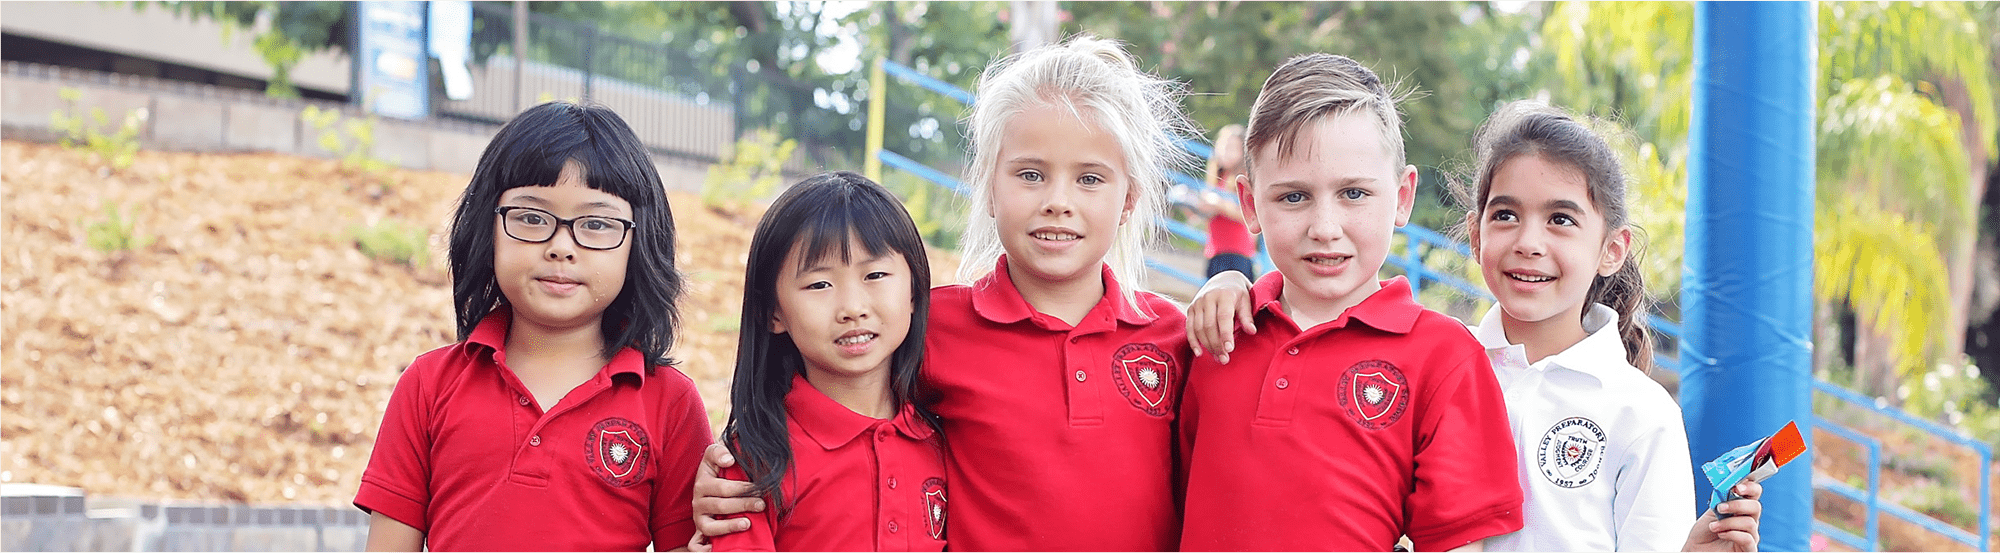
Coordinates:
[1293,351]
[524,399]
[1079,375]
[535,440]
[1283,383]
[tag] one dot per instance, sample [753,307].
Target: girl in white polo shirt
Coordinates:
[1603,451]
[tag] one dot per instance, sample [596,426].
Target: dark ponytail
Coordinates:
[1625,293]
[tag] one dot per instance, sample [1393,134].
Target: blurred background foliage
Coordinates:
[1905,264]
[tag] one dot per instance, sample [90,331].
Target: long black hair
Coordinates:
[818,216]
[531,150]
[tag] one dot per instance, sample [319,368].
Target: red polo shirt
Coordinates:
[856,484]
[1061,436]
[467,456]
[1383,422]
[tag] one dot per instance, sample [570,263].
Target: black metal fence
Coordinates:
[668,101]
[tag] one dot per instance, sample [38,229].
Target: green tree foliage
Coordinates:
[295,29]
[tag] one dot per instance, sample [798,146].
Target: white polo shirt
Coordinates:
[1604,453]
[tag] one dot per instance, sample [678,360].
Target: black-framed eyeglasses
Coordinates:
[535,226]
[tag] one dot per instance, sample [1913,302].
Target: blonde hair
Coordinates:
[1311,87]
[1095,79]
[1228,138]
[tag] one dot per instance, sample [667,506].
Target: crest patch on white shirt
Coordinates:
[1572,452]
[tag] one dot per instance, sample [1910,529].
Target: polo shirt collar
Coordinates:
[997,299]
[832,425]
[1391,309]
[1601,350]
[491,333]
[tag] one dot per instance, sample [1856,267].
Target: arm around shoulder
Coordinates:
[684,425]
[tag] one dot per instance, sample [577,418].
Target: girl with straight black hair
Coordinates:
[829,419]
[533,149]
[556,422]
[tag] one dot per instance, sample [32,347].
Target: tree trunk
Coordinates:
[1959,261]
[1874,367]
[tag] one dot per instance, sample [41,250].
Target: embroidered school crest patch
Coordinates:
[1145,375]
[1374,393]
[934,507]
[616,450]
[1571,452]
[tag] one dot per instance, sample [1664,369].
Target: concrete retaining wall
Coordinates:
[51,518]
[193,117]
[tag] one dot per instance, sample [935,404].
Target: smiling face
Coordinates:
[1059,193]
[1328,211]
[555,283]
[846,318]
[1541,242]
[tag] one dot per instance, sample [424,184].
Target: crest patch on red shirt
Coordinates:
[615,449]
[1374,393]
[1145,376]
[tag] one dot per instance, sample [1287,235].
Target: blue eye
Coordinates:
[1292,197]
[1352,194]
[1030,175]
[1091,180]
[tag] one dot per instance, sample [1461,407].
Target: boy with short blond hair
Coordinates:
[1370,417]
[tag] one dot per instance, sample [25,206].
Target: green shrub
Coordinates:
[114,233]
[752,170]
[86,133]
[351,140]
[394,241]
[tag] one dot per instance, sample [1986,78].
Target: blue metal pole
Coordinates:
[1747,291]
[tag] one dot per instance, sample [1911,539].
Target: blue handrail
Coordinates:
[1873,496]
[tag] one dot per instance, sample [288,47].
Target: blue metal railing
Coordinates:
[1982,449]
[1871,498]
[1421,241]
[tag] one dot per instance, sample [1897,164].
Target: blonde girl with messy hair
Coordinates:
[1056,377]
[1094,81]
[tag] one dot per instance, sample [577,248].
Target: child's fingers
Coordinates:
[1741,532]
[715,457]
[699,543]
[1221,325]
[1194,330]
[712,526]
[1246,312]
[1748,490]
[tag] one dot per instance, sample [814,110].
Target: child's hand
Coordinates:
[1212,317]
[715,497]
[1736,533]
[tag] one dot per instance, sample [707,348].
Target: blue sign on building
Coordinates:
[392,72]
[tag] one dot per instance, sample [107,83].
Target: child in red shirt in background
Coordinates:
[1369,417]
[826,416]
[1057,378]
[556,423]
[1230,245]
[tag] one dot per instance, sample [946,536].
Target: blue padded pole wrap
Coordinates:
[1746,297]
